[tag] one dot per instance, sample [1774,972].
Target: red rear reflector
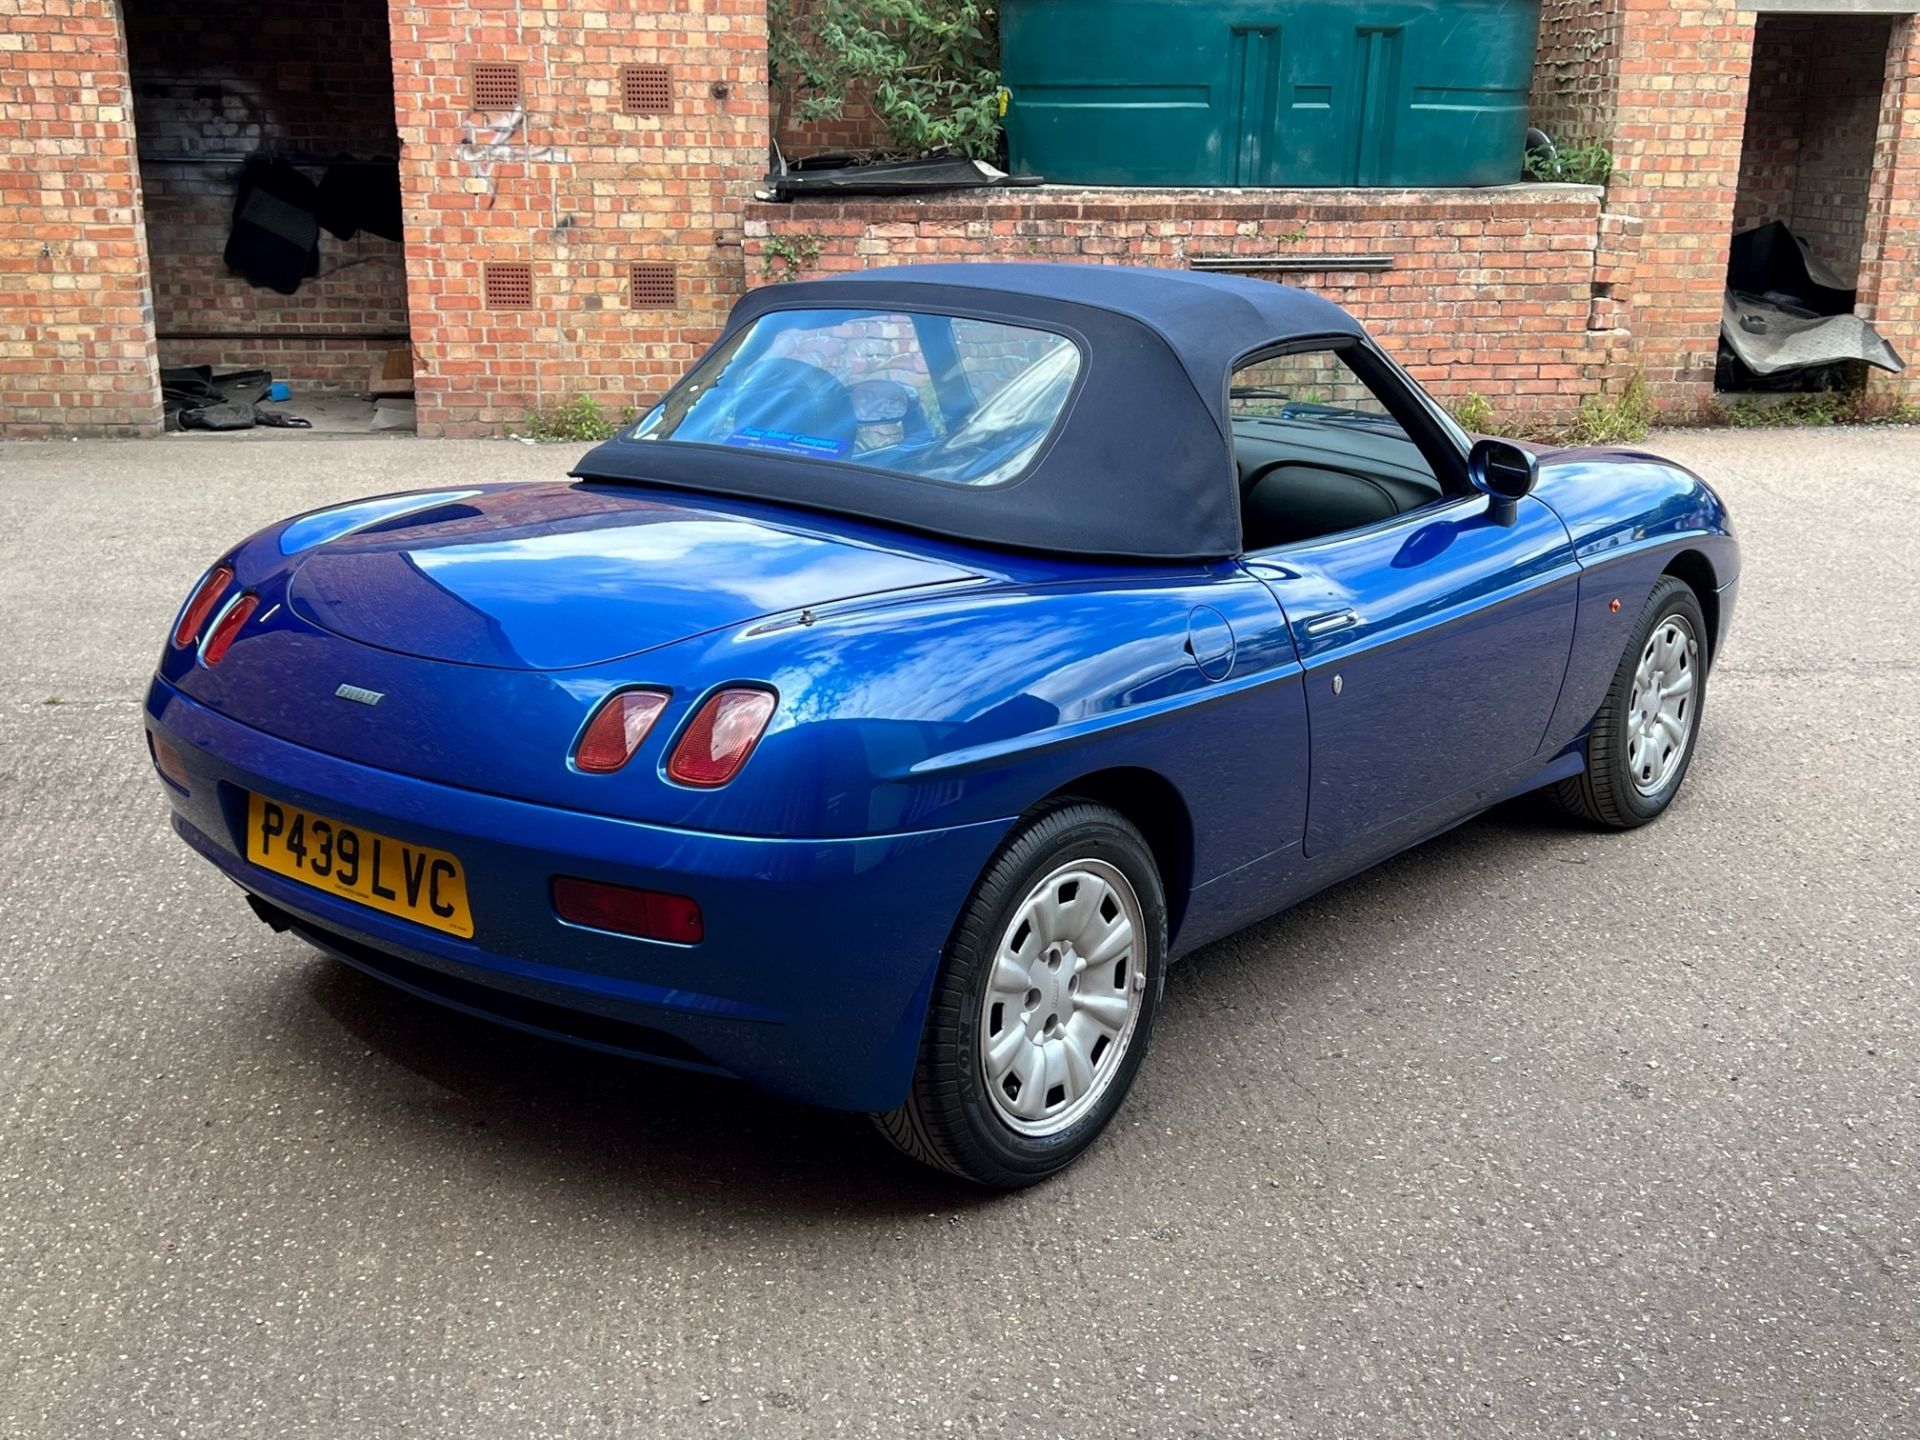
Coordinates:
[200,605]
[616,730]
[214,648]
[649,914]
[721,737]
[167,761]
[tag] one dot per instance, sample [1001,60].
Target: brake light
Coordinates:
[617,728]
[721,737]
[650,914]
[200,604]
[213,649]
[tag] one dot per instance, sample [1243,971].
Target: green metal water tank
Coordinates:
[1285,92]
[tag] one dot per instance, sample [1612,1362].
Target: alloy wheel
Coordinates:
[1064,997]
[1661,708]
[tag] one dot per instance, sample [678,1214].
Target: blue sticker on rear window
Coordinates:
[789,442]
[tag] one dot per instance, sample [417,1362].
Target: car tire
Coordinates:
[1635,759]
[1023,1064]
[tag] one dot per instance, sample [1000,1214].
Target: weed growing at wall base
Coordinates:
[1828,407]
[1603,419]
[580,418]
[1610,419]
[1473,412]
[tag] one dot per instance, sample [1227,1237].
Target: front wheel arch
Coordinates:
[1697,571]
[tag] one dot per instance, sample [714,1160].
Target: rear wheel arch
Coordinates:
[1154,806]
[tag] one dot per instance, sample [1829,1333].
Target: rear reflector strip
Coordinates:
[650,914]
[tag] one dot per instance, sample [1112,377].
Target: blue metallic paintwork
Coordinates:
[500,583]
[750,998]
[917,719]
[1449,668]
[1210,641]
[320,526]
[1630,515]
[882,701]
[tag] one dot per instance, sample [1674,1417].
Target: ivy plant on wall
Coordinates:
[930,69]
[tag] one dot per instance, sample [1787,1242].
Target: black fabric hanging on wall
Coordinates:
[275,239]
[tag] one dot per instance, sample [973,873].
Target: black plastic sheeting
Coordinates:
[1769,259]
[839,175]
[278,214]
[356,195]
[1784,315]
[275,240]
[194,398]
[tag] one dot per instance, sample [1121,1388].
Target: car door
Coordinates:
[1433,641]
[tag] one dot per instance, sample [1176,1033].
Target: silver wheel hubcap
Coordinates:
[1662,708]
[1064,997]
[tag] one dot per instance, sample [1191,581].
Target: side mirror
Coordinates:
[1504,473]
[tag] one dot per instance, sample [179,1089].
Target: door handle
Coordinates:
[1328,623]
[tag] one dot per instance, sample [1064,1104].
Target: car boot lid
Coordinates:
[549,577]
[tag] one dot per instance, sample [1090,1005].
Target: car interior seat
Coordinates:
[1288,502]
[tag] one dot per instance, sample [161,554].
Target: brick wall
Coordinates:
[857,128]
[1840,127]
[1490,291]
[76,342]
[1770,140]
[312,79]
[577,191]
[1679,113]
[1573,69]
[1890,255]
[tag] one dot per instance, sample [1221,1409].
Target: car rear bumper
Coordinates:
[812,979]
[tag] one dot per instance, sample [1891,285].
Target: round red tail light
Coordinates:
[200,605]
[721,737]
[616,730]
[214,648]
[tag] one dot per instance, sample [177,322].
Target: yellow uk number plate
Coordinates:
[411,881]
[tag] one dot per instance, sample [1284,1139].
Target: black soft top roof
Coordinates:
[1141,465]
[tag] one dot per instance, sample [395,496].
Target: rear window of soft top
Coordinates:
[937,397]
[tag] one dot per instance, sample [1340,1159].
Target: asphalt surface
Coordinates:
[1528,1132]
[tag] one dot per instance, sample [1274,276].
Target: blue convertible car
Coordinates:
[956,645]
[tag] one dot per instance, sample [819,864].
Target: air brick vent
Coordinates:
[646,89]
[495,87]
[651,286]
[509,285]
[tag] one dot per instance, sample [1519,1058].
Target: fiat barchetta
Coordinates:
[878,716]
